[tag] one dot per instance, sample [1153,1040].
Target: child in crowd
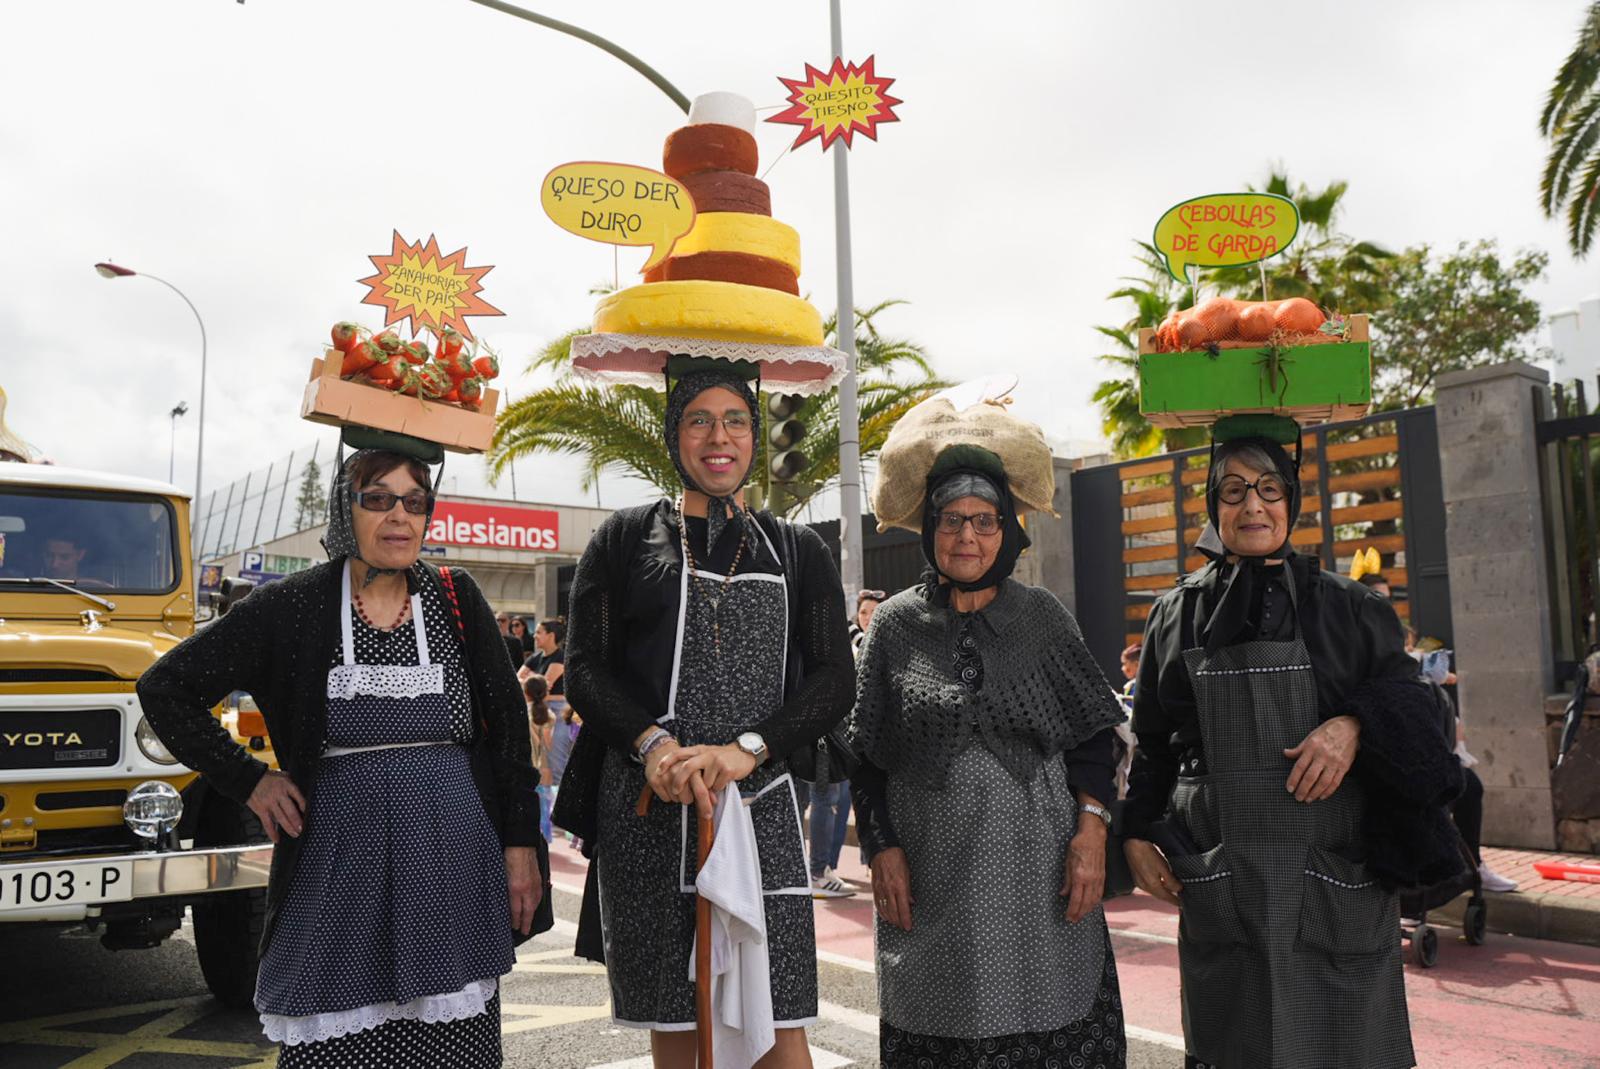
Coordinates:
[535,690]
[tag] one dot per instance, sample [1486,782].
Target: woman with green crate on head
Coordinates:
[1287,778]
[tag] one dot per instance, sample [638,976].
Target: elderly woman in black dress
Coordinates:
[394,711]
[1287,769]
[986,731]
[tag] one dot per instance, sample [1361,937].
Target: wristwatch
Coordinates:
[1098,810]
[754,745]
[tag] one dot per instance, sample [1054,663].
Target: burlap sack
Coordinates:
[934,425]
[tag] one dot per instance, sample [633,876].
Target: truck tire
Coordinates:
[227,927]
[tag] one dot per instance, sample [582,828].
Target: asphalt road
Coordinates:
[67,1002]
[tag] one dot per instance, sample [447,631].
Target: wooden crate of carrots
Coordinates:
[438,395]
[1311,373]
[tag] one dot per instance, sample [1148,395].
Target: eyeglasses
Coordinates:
[699,424]
[983,523]
[417,504]
[1233,489]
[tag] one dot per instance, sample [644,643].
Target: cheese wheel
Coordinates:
[728,191]
[729,109]
[708,147]
[725,311]
[726,267]
[755,235]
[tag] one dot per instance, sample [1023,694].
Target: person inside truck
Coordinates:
[63,557]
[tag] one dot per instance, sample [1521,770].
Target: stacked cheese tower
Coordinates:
[735,276]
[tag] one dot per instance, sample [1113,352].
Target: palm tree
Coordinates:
[620,427]
[1153,293]
[1571,123]
[1332,269]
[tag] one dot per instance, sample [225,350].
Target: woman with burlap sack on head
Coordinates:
[976,696]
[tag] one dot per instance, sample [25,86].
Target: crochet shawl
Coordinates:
[1042,694]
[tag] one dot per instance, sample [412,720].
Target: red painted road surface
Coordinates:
[1511,1002]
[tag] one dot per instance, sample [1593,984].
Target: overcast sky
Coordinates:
[255,154]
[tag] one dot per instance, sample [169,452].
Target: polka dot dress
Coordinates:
[990,951]
[396,921]
[471,1042]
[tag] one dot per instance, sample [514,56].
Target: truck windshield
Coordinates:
[94,541]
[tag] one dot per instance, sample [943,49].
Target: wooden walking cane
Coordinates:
[702,933]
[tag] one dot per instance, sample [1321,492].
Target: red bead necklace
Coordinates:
[361,610]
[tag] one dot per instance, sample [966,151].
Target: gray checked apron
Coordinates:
[1288,950]
[647,865]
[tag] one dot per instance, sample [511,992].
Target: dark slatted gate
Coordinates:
[1369,482]
[1569,461]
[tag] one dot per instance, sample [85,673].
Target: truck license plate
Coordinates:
[79,883]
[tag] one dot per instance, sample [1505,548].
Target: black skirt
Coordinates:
[1095,1042]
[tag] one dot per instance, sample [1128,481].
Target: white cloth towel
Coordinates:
[741,981]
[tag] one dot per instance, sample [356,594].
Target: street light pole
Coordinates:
[851,560]
[110,270]
[655,77]
[178,409]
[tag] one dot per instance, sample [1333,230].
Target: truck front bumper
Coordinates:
[148,875]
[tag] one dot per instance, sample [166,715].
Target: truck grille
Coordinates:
[55,675]
[74,738]
[51,800]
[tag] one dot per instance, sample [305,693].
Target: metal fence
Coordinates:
[268,503]
[1569,461]
[1368,483]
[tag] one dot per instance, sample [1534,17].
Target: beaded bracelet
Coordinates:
[658,737]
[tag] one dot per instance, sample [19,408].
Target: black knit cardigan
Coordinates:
[278,645]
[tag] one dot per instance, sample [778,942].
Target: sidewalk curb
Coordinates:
[1534,915]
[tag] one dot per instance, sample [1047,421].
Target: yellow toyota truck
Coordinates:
[99,824]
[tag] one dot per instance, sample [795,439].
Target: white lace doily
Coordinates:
[638,360]
[429,1009]
[347,681]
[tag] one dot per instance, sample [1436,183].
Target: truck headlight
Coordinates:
[150,744]
[152,809]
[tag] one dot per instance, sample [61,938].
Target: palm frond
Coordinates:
[1578,75]
[1583,212]
[557,355]
[1573,140]
[619,428]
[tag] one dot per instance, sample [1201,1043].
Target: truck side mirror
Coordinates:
[232,592]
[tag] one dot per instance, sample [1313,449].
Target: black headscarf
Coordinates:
[1238,593]
[723,510]
[969,471]
[339,541]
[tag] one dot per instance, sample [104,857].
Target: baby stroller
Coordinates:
[1415,902]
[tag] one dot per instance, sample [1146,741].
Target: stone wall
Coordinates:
[1575,786]
[1494,529]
